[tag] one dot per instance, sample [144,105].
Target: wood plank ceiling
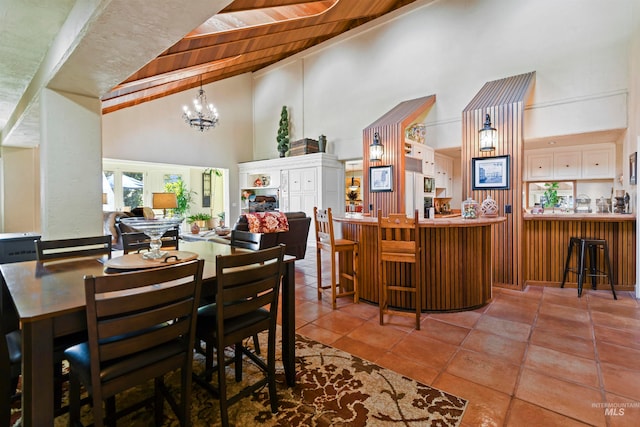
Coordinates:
[244,37]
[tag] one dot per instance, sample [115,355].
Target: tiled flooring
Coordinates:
[542,357]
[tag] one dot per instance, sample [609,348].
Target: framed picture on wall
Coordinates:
[633,168]
[381,178]
[490,173]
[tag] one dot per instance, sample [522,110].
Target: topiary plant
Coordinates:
[283,132]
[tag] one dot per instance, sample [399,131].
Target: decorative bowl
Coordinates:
[154,229]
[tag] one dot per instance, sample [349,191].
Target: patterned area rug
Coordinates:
[333,388]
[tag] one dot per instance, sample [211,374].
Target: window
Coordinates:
[132,189]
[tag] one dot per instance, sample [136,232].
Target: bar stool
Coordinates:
[592,246]
[399,242]
[325,241]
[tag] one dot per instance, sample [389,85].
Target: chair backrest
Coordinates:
[398,237]
[141,324]
[248,283]
[135,241]
[246,240]
[68,248]
[324,228]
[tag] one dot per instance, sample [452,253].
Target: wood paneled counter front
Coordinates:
[546,238]
[456,262]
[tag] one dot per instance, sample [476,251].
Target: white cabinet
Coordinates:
[429,162]
[444,175]
[302,181]
[540,167]
[598,163]
[595,161]
[302,190]
[566,165]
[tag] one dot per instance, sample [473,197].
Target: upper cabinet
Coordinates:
[539,167]
[589,162]
[443,175]
[599,163]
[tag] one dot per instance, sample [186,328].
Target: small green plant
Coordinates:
[221,216]
[551,194]
[283,132]
[184,196]
[198,217]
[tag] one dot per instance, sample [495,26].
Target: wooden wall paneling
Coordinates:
[391,128]
[503,100]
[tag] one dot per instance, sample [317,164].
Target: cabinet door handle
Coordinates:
[567,165]
[597,164]
[539,167]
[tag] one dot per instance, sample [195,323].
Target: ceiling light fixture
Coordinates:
[205,115]
[488,136]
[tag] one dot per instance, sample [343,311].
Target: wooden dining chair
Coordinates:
[252,241]
[399,242]
[246,240]
[141,326]
[326,242]
[10,361]
[47,250]
[136,241]
[247,291]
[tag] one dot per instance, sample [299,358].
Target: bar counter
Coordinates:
[456,262]
[546,238]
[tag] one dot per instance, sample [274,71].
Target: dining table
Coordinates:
[49,300]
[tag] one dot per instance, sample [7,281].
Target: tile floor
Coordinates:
[541,357]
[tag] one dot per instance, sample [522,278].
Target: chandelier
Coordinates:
[205,115]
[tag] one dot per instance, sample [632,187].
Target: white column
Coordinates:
[70,165]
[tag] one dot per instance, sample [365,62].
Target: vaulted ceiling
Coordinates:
[236,37]
[245,36]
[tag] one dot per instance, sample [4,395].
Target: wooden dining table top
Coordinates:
[40,290]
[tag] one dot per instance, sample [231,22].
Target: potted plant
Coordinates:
[201,219]
[551,195]
[283,132]
[184,196]
[221,219]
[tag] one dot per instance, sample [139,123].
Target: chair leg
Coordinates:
[5,401]
[208,359]
[256,344]
[566,264]
[222,389]
[383,292]
[238,361]
[333,281]
[418,295]
[159,400]
[593,264]
[581,268]
[271,371]
[74,398]
[356,294]
[319,272]
[185,394]
[110,404]
[609,273]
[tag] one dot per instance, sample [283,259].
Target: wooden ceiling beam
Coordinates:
[242,5]
[212,56]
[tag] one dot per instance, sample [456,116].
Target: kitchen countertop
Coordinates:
[579,217]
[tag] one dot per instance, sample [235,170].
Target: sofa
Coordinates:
[295,238]
[113,227]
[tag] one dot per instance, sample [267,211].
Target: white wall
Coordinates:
[155,132]
[21,184]
[578,48]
